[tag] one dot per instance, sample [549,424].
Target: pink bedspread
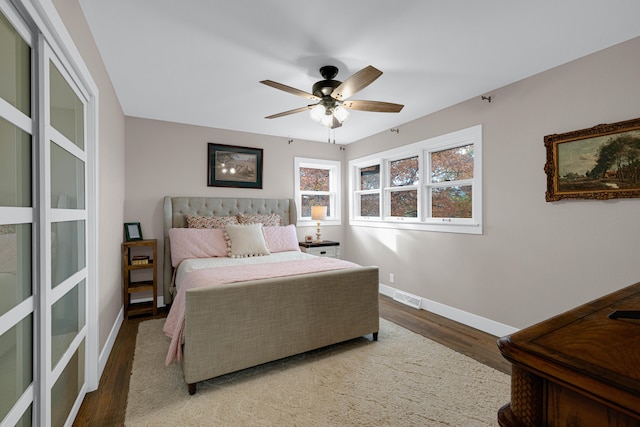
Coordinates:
[174,324]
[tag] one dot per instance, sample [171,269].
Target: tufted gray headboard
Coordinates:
[176,209]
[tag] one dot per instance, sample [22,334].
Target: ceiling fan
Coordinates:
[332,107]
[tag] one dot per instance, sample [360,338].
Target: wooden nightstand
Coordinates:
[326,248]
[139,255]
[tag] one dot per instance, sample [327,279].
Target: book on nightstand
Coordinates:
[139,260]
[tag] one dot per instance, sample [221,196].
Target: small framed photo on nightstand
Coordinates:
[132,231]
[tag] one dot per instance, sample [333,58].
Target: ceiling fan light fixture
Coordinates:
[317,113]
[330,95]
[341,113]
[327,120]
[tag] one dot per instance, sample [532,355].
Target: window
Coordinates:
[402,187]
[451,182]
[368,192]
[433,185]
[317,183]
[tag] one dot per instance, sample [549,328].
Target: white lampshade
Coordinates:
[317,113]
[318,212]
[327,120]
[341,113]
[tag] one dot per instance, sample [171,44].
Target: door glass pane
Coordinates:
[452,202]
[15,166]
[67,250]
[16,363]
[25,420]
[370,205]
[404,172]
[65,391]
[453,164]
[15,68]
[312,179]
[320,200]
[67,318]
[67,111]
[404,203]
[67,179]
[15,265]
[370,178]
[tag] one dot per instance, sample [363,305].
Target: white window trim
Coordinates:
[334,167]
[471,135]
[354,201]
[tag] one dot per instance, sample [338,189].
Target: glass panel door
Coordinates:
[16,223]
[66,227]
[43,229]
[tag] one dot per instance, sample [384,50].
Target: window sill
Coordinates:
[313,223]
[445,227]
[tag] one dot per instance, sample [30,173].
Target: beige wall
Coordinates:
[535,259]
[111,169]
[170,159]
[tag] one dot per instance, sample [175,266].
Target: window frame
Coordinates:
[335,190]
[424,221]
[360,192]
[388,189]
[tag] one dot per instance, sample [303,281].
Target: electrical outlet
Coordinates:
[392,278]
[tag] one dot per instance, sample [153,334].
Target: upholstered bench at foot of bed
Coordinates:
[236,326]
[192,387]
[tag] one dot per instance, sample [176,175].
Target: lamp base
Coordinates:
[318,238]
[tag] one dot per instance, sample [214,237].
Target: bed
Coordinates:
[235,325]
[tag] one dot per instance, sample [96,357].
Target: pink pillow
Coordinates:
[281,238]
[196,243]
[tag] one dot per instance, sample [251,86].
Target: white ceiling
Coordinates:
[200,62]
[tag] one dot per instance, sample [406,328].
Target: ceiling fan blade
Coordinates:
[376,106]
[286,113]
[290,89]
[356,83]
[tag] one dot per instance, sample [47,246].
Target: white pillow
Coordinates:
[246,240]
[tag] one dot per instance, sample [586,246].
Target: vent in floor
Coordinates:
[408,299]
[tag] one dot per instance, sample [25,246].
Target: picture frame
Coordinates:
[132,231]
[601,163]
[234,166]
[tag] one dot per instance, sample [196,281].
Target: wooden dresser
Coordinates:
[581,368]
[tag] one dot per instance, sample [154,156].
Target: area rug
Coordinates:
[403,379]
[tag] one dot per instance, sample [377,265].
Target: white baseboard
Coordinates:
[108,346]
[478,322]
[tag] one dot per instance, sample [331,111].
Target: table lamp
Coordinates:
[318,213]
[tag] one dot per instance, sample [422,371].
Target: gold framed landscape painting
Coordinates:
[602,162]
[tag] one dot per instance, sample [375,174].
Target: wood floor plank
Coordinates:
[107,405]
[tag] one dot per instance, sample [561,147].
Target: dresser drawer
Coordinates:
[328,251]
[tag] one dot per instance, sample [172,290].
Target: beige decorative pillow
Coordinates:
[246,240]
[268,220]
[198,221]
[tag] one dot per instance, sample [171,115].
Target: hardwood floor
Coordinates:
[106,406]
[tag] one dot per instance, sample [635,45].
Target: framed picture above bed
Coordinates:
[233,166]
[602,162]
